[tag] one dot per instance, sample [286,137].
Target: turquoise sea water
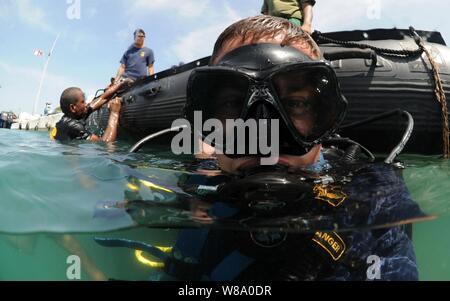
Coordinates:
[52,196]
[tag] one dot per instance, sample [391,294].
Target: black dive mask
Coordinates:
[268,82]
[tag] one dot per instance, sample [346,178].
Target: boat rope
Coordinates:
[439,86]
[320,39]
[439,92]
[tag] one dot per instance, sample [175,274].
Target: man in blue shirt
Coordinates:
[137,62]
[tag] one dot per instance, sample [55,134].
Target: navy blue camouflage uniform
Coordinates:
[224,255]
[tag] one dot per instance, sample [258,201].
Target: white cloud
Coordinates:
[185,8]
[92,12]
[18,72]
[6,10]
[33,15]
[330,15]
[126,34]
[333,16]
[200,41]
[25,11]
[24,81]
[79,39]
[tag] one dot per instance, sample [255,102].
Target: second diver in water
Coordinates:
[72,126]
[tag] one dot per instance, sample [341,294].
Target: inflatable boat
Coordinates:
[379,70]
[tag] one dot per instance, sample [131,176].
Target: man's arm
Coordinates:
[151,70]
[97,103]
[120,72]
[150,60]
[110,134]
[307,8]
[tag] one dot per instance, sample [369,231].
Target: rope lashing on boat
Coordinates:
[320,38]
[439,87]
[439,92]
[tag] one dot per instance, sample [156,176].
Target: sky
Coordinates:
[95,33]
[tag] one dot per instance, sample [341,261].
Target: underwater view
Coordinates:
[224,141]
[54,198]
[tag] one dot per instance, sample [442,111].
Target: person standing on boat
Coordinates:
[138,61]
[72,126]
[298,12]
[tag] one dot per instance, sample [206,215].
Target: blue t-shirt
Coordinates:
[136,61]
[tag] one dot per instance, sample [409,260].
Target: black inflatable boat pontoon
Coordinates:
[373,83]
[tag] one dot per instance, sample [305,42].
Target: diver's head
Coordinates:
[264,29]
[265,68]
[73,103]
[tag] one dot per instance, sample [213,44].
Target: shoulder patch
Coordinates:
[331,242]
[333,195]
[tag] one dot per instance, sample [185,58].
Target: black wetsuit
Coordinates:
[377,196]
[72,129]
[224,255]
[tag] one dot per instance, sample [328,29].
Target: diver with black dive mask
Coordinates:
[264,68]
[269,82]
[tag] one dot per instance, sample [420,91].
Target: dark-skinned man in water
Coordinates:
[73,124]
[73,127]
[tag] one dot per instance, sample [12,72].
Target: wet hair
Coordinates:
[69,97]
[255,29]
[138,31]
